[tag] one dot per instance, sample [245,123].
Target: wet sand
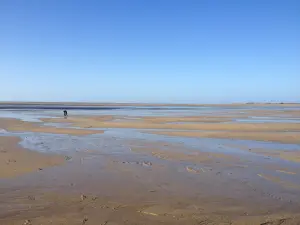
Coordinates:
[15,160]
[127,176]
[289,155]
[282,137]
[211,127]
[95,122]
[18,125]
[277,113]
[196,119]
[177,154]
[293,156]
[139,188]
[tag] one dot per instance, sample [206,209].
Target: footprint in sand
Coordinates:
[286,172]
[276,222]
[147,164]
[143,163]
[156,210]
[192,169]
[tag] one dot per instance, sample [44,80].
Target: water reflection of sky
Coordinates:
[30,116]
[204,143]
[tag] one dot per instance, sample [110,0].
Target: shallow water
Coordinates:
[203,144]
[117,144]
[31,111]
[256,119]
[26,115]
[244,179]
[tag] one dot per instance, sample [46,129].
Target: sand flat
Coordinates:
[189,156]
[289,155]
[258,127]
[282,137]
[120,179]
[267,112]
[196,119]
[279,181]
[18,125]
[15,160]
[293,156]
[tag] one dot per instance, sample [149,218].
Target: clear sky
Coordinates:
[150,51]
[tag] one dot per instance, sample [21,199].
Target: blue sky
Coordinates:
[150,51]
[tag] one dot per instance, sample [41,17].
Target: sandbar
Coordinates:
[92,122]
[283,137]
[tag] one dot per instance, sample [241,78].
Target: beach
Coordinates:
[121,164]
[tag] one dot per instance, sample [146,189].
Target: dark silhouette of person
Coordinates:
[65,113]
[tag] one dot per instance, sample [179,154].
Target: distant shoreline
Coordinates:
[116,105]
